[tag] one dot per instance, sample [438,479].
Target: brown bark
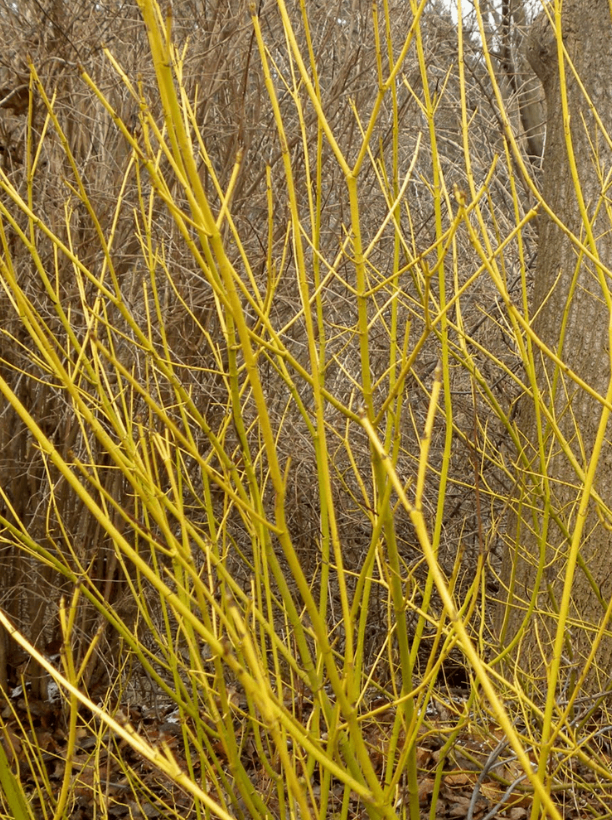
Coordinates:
[525,87]
[571,316]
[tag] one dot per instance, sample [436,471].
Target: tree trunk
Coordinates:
[570,312]
[523,85]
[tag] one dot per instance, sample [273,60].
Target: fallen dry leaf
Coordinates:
[459,807]
[492,791]
[425,789]
[458,779]
[423,756]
